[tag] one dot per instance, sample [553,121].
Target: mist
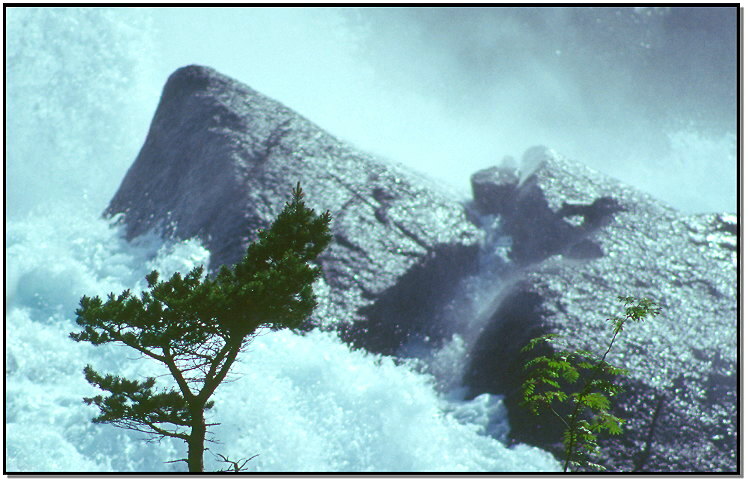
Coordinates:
[647,95]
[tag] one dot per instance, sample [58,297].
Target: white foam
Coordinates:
[301,402]
[304,403]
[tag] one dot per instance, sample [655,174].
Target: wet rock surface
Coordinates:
[494,189]
[553,244]
[681,394]
[219,162]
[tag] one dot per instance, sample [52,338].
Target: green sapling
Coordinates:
[587,411]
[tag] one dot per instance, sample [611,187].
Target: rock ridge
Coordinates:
[219,162]
[635,245]
[557,239]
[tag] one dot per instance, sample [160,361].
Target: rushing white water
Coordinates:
[81,86]
[303,403]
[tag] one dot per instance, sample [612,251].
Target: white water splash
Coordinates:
[304,403]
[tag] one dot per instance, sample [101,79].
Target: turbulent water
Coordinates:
[81,88]
[302,403]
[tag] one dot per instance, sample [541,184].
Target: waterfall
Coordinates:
[78,81]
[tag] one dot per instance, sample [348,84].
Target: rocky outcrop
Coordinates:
[579,240]
[220,161]
[554,243]
[494,188]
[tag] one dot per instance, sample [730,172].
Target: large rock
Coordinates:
[579,240]
[220,161]
[494,188]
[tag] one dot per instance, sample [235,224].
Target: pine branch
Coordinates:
[235,466]
[196,326]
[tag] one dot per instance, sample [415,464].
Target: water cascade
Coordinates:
[81,90]
[303,403]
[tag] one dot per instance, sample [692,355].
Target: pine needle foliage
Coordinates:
[196,327]
[588,410]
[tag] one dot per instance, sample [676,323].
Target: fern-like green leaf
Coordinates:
[596,467]
[614,370]
[545,338]
[528,387]
[543,387]
[610,423]
[551,395]
[606,387]
[595,401]
[539,361]
[550,382]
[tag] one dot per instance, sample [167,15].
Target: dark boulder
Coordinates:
[494,189]
[220,161]
[580,239]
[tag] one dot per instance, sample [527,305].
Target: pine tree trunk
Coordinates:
[196,443]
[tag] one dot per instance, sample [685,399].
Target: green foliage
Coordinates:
[588,415]
[196,326]
[131,401]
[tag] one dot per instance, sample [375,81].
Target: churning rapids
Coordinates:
[303,403]
[80,94]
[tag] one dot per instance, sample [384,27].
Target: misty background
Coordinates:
[647,95]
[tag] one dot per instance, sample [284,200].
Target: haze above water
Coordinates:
[648,96]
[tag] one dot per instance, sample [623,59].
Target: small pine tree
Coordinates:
[588,409]
[196,327]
